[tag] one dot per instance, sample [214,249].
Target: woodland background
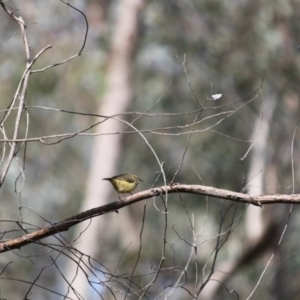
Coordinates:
[156,65]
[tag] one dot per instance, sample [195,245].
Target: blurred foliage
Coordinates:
[227,47]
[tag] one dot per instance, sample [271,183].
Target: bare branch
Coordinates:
[112,207]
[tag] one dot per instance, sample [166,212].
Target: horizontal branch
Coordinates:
[66,224]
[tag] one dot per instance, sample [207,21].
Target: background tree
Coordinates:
[180,55]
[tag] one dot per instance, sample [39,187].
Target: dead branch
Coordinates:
[66,224]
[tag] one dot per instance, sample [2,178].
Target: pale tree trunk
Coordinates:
[256,228]
[107,148]
[255,224]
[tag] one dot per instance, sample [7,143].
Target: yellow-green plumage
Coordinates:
[124,183]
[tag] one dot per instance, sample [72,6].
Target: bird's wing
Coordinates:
[125,177]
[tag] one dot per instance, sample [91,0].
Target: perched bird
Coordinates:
[124,183]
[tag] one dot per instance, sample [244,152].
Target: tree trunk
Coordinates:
[107,148]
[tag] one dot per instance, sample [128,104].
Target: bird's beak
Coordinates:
[141,180]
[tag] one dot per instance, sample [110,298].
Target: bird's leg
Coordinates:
[120,200]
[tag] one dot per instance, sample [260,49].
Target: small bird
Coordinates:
[124,183]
